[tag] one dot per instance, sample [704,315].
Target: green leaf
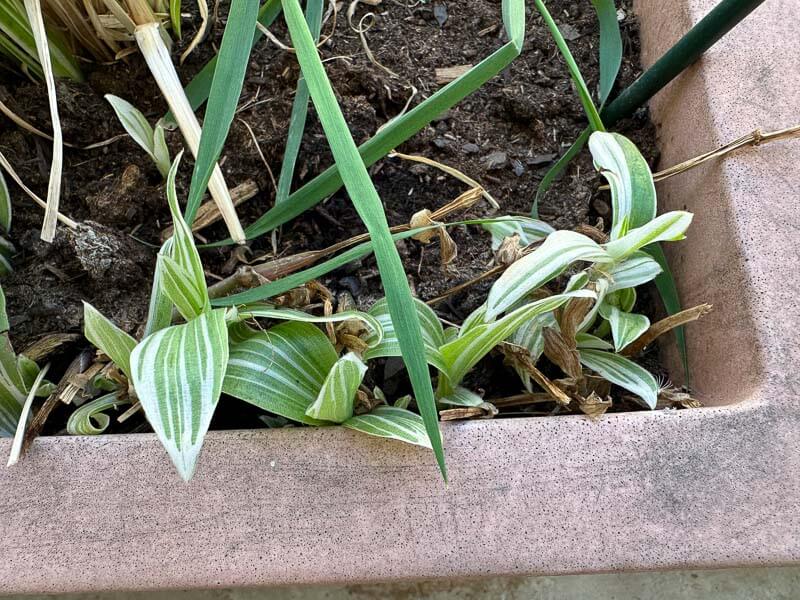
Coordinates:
[226,87]
[109,338]
[586,341]
[183,252]
[668,290]
[136,125]
[393,423]
[622,372]
[389,345]
[297,121]
[574,71]
[530,336]
[635,271]
[19,433]
[633,193]
[175,16]
[161,151]
[626,327]
[336,399]
[528,230]
[281,370]
[177,373]
[557,169]
[5,204]
[90,419]
[405,126]
[266,311]
[181,289]
[159,311]
[462,397]
[610,46]
[462,354]
[17,376]
[668,227]
[547,262]
[369,207]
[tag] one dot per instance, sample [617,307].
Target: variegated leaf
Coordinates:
[475,318]
[90,419]
[177,373]
[587,341]
[137,126]
[462,397]
[393,423]
[633,194]
[109,338]
[335,400]
[668,227]
[622,372]
[17,375]
[529,230]
[547,262]
[267,311]
[183,250]
[432,333]
[178,285]
[639,269]
[531,337]
[626,327]
[281,370]
[159,311]
[461,355]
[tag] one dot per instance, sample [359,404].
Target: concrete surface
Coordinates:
[729,584]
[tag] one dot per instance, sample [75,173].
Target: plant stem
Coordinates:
[154,50]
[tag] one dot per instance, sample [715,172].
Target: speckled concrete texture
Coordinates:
[714,487]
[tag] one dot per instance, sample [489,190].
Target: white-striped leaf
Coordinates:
[281,370]
[393,423]
[587,341]
[17,374]
[335,400]
[461,355]
[601,290]
[626,327]
[625,299]
[178,285]
[668,227]
[633,194]
[159,311]
[622,372]
[267,311]
[5,204]
[462,397]
[547,262]
[137,126]
[474,319]
[109,338]
[183,250]
[432,333]
[639,269]
[177,373]
[91,419]
[531,337]
[529,230]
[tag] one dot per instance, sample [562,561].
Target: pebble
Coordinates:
[495,160]
[470,148]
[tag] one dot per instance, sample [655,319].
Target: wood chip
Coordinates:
[447,74]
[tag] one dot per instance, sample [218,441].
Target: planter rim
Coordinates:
[705,488]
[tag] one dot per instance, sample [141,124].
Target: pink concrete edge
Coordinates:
[709,488]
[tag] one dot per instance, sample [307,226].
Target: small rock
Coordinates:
[540,159]
[519,169]
[569,32]
[601,207]
[440,142]
[470,148]
[495,160]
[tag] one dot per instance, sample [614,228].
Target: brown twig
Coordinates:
[664,325]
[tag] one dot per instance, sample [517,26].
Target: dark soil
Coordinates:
[505,135]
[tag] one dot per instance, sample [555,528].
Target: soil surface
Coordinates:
[506,136]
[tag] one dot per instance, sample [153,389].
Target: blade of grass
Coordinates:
[368,204]
[403,127]
[610,46]
[199,87]
[34,10]
[297,122]
[175,16]
[226,87]
[558,168]
[583,91]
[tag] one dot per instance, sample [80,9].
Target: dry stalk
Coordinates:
[208,213]
[664,325]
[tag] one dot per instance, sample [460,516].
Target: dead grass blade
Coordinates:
[664,325]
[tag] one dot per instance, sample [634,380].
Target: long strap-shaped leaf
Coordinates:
[34,10]
[368,205]
[297,122]
[399,129]
[177,373]
[226,87]
[610,46]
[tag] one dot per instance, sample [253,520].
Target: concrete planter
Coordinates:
[711,487]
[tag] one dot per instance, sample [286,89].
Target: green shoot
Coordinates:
[150,139]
